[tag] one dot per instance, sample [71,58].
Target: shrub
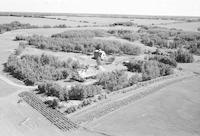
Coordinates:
[113,80]
[80,92]
[183,56]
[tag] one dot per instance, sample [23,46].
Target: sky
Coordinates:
[135,7]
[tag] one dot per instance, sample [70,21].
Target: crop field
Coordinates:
[99,75]
[154,116]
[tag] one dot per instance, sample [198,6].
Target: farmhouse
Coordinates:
[99,53]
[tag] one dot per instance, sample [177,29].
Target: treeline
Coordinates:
[15,25]
[33,69]
[80,43]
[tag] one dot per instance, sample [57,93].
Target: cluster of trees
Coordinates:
[128,23]
[83,45]
[15,25]
[33,69]
[125,34]
[183,56]
[155,67]
[113,81]
[77,92]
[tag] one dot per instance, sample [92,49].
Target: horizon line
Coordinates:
[114,14]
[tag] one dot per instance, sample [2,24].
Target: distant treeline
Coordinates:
[17,25]
[42,15]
